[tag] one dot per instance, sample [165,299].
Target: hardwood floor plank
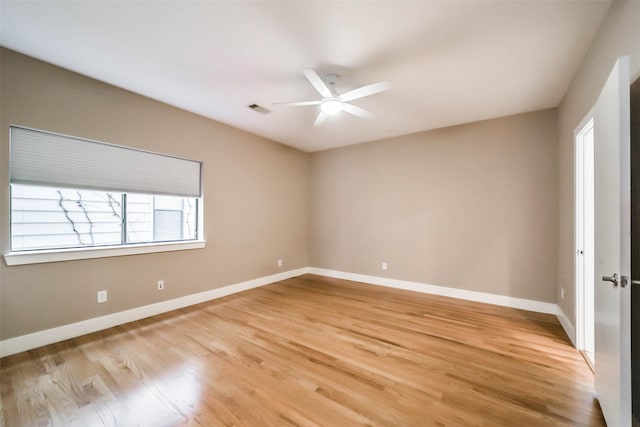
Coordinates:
[309,351]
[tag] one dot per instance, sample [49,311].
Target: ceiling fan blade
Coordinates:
[320,119]
[317,83]
[357,111]
[363,91]
[299,103]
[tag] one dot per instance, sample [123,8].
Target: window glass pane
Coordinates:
[167,225]
[190,218]
[168,203]
[49,217]
[160,218]
[174,218]
[139,218]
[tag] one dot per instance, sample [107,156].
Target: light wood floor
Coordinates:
[309,351]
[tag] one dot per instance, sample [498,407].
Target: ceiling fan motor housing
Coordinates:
[331,79]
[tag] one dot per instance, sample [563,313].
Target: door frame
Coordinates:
[635,241]
[577,243]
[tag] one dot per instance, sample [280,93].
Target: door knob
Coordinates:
[624,281]
[613,279]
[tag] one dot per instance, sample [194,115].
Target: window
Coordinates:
[68,192]
[53,218]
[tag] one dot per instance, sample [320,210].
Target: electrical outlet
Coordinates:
[561,293]
[384,266]
[160,285]
[102,297]
[279,262]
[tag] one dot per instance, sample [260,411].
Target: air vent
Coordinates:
[259,109]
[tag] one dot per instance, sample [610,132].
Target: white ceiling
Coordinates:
[450,62]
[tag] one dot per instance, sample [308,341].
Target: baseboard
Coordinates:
[37,339]
[568,327]
[521,303]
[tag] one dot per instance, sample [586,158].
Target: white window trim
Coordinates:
[56,255]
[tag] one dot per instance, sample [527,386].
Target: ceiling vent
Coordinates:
[259,109]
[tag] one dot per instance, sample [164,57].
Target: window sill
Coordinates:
[57,255]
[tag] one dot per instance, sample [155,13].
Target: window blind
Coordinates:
[44,158]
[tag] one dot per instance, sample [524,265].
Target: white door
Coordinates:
[613,247]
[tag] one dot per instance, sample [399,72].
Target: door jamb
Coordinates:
[578,288]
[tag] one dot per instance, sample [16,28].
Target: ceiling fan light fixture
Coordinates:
[333,103]
[331,106]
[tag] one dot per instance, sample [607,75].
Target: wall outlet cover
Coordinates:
[102,297]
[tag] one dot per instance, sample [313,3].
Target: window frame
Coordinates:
[70,254]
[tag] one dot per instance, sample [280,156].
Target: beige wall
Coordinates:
[471,207]
[486,206]
[619,35]
[256,200]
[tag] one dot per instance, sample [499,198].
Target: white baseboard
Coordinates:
[61,333]
[521,303]
[37,339]
[568,327]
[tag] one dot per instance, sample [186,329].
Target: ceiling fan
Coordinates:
[333,103]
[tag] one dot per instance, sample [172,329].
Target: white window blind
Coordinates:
[44,158]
